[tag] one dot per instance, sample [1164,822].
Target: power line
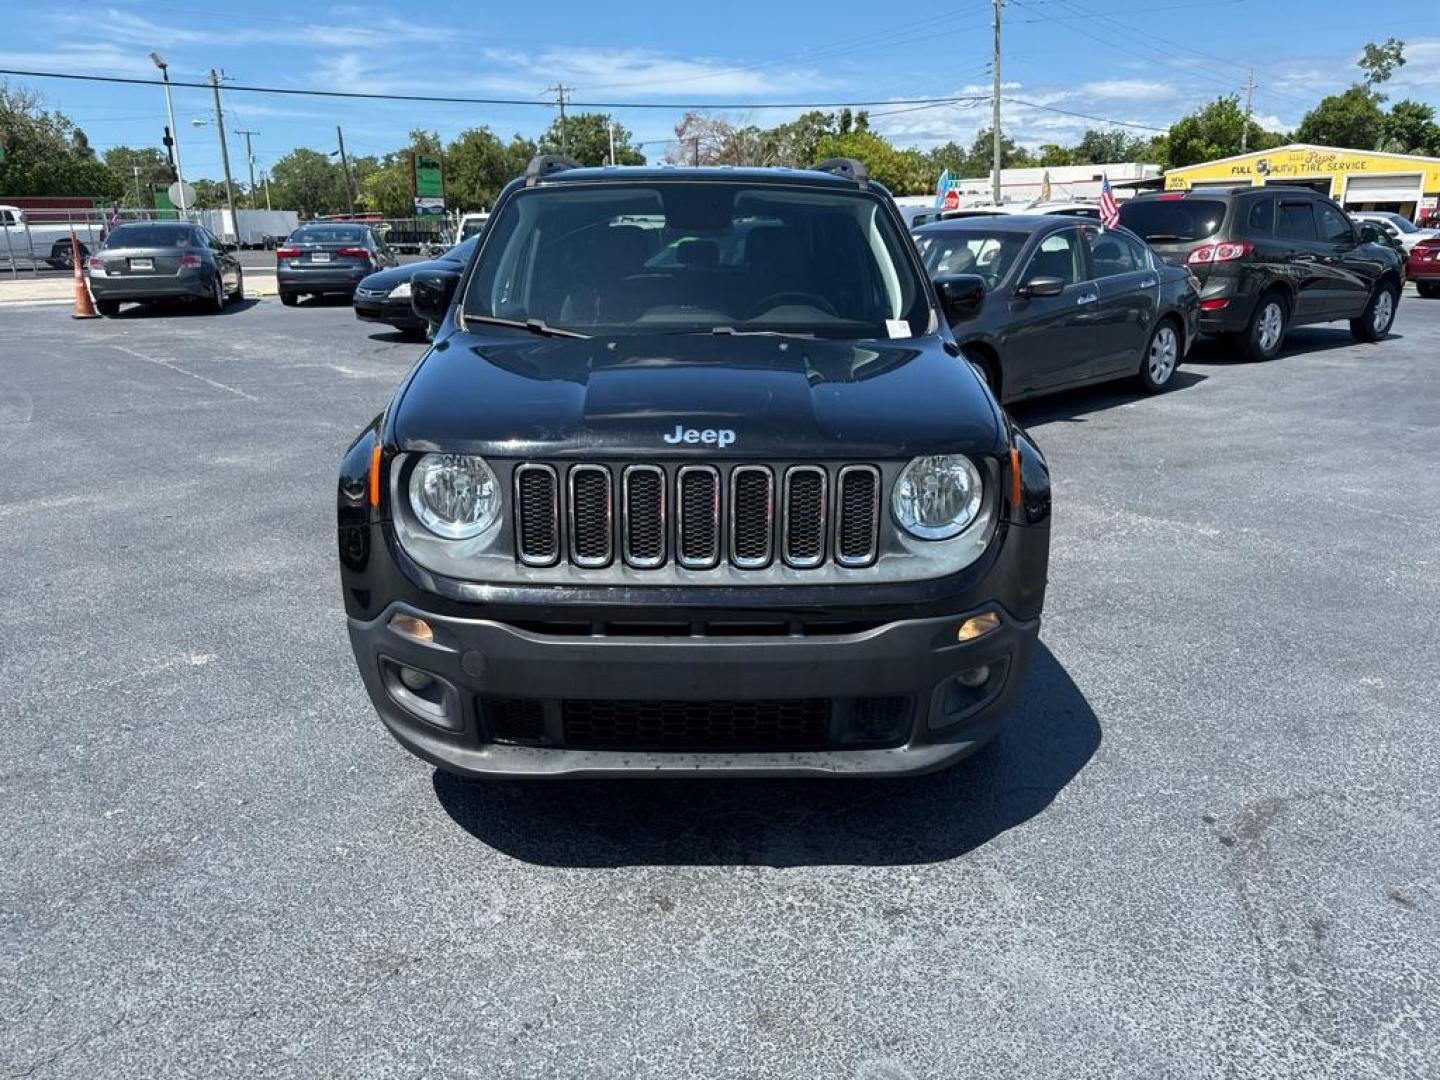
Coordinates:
[445,100]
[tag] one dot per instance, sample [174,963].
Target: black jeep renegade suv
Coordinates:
[693,480]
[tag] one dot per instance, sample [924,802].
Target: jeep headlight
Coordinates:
[400,292]
[454,495]
[937,497]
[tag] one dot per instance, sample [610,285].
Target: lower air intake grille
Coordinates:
[679,725]
[516,719]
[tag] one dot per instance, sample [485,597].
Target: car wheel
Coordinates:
[289,299]
[1266,332]
[1161,358]
[1429,289]
[108,308]
[239,293]
[215,302]
[1379,314]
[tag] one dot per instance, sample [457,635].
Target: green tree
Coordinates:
[308,181]
[153,171]
[797,144]
[1410,128]
[586,138]
[1352,118]
[981,159]
[1098,147]
[478,165]
[904,172]
[45,153]
[1379,62]
[1214,132]
[1053,155]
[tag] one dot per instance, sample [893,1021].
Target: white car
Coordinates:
[1405,231]
[24,241]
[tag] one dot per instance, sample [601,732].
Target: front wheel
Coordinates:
[239,293]
[1161,359]
[1262,339]
[215,302]
[1379,314]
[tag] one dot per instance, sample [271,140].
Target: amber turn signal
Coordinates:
[977,626]
[412,627]
[375,475]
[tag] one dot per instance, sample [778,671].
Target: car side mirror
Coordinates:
[231,247]
[961,296]
[1041,286]
[431,292]
[1369,234]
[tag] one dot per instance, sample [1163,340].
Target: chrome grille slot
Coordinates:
[752,516]
[697,517]
[592,529]
[857,515]
[537,515]
[642,521]
[803,532]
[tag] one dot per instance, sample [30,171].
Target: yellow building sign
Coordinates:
[1288,164]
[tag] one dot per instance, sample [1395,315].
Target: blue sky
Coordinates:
[1141,61]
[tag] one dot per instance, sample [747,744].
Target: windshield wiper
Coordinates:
[535,326]
[730,331]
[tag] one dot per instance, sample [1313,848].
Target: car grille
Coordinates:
[788,722]
[749,515]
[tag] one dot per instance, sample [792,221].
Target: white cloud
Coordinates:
[1128,90]
[90,59]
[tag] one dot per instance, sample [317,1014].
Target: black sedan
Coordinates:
[328,257]
[384,297]
[1067,303]
[146,261]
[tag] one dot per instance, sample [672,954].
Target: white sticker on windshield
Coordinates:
[897,328]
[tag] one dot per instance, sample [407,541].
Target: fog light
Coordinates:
[415,680]
[412,627]
[977,626]
[975,677]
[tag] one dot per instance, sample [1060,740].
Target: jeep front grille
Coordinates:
[751,516]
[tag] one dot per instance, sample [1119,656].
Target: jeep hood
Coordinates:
[512,394]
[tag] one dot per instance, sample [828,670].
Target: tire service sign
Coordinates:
[427,184]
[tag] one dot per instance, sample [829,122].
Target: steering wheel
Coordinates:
[774,300]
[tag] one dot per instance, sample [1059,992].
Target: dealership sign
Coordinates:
[427,184]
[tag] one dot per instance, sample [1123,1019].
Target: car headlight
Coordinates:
[454,495]
[400,292]
[937,497]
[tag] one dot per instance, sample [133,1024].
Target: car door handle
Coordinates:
[1087,298]
[1148,283]
[1307,258]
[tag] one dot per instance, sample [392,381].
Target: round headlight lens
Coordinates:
[454,495]
[400,292]
[937,497]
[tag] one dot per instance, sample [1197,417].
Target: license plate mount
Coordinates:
[142,264]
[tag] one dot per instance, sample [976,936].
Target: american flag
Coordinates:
[1109,208]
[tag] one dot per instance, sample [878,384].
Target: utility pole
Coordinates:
[345,164]
[1249,95]
[995,112]
[560,90]
[612,142]
[224,154]
[265,179]
[138,203]
[250,157]
[695,151]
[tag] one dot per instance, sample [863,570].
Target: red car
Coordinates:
[1423,268]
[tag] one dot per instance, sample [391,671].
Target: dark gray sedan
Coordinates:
[1067,303]
[145,261]
[328,257]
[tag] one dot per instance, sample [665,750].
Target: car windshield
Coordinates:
[146,235]
[1401,222]
[473,227]
[688,256]
[1165,219]
[987,252]
[461,251]
[328,234]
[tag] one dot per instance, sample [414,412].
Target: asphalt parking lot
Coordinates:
[1206,845]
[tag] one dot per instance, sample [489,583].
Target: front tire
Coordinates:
[215,302]
[1379,314]
[239,293]
[1262,339]
[1161,359]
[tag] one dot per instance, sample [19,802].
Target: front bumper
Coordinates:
[396,313]
[483,666]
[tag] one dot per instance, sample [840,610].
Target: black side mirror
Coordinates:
[961,296]
[1369,234]
[231,247]
[431,292]
[1041,286]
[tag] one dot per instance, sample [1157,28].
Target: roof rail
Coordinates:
[849,168]
[542,165]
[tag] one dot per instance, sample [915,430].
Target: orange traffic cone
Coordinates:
[84,306]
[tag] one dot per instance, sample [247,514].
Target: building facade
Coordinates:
[1357,179]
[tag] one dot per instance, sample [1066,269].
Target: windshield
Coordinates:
[328,234]
[989,253]
[699,257]
[1401,222]
[150,236]
[1165,219]
[473,227]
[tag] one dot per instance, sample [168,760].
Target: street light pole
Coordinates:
[995,112]
[159,62]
